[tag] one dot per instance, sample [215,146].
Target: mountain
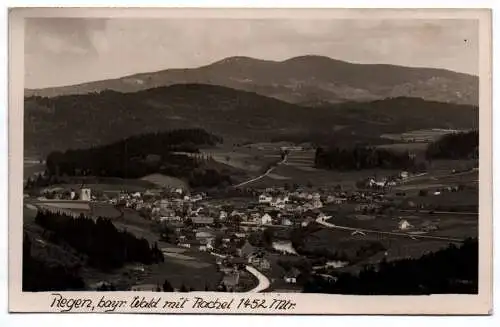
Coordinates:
[79,121]
[300,80]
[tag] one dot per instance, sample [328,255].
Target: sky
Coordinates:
[65,51]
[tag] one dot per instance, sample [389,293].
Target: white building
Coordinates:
[317,204]
[265,198]
[85,194]
[266,219]
[222,215]
[404,225]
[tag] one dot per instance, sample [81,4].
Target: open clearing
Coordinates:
[165,181]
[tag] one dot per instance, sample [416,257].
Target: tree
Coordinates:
[167,287]
[183,288]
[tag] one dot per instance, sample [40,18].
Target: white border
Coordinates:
[351,4]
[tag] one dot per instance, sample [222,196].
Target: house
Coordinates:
[197,198]
[259,262]
[169,219]
[307,221]
[165,212]
[184,244]
[85,194]
[163,203]
[202,220]
[428,226]
[265,199]
[254,217]
[277,205]
[240,235]
[206,247]
[222,215]
[335,200]
[230,281]
[286,221]
[404,225]
[266,219]
[246,250]
[373,183]
[204,234]
[403,175]
[316,204]
[291,276]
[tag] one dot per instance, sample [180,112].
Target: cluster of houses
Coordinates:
[387,181]
[426,226]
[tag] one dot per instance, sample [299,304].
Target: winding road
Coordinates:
[264,282]
[270,170]
[322,221]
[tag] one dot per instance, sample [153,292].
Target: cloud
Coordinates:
[74,36]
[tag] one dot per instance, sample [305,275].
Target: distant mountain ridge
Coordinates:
[79,121]
[306,79]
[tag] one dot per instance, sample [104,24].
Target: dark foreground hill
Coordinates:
[79,121]
[304,80]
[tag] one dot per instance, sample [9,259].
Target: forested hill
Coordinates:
[141,155]
[78,121]
[455,146]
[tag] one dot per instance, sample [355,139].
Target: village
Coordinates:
[233,229]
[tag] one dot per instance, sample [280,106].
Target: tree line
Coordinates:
[105,246]
[453,270]
[362,157]
[141,155]
[38,276]
[464,145]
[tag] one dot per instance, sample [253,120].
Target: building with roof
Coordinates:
[246,250]
[202,220]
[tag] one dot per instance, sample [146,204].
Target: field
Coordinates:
[317,178]
[106,184]
[419,135]
[165,181]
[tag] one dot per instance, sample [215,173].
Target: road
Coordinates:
[270,170]
[321,220]
[264,282]
[461,213]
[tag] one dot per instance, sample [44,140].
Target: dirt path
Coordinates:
[412,236]
[270,170]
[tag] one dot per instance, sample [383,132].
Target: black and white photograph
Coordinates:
[253,154]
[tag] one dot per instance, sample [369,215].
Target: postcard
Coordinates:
[250,161]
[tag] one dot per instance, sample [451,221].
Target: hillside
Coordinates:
[80,121]
[305,80]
